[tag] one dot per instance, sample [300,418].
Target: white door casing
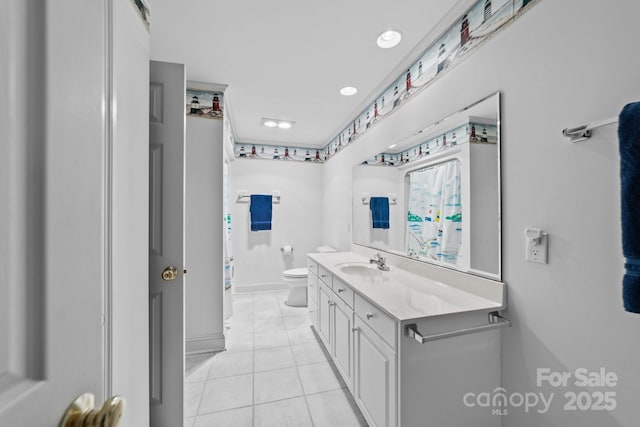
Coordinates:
[166,242]
[129,296]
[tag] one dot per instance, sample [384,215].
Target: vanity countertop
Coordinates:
[402,294]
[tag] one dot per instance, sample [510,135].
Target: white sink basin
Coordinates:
[360,269]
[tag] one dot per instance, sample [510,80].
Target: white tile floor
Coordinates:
[274,373]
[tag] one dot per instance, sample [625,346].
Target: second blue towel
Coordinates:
[379,211]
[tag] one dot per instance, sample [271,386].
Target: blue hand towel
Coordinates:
[260,212]
[629,136]
[379,211]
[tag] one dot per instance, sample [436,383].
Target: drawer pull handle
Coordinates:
[332,303]
[340,290]
[369,316]
[323,275]
[354,329]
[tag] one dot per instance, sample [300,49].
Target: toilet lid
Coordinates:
[296,272]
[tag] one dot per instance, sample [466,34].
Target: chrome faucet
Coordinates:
[380,261]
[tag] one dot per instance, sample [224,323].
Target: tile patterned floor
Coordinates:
[274,373]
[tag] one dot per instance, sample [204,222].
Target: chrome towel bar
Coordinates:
[495,320]
[245,197]
[583,132]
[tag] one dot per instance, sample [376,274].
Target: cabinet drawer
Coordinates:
[324,275]
[312,287]
[312,266]
[376,319]
[343,291]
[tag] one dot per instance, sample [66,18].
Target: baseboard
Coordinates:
[204,344]
[261,287]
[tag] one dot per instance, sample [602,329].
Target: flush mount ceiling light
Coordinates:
[389,39]
[276,123]
[348,91]
[392,146]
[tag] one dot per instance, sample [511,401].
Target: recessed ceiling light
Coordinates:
[348,91]
[389,39]
[276,123]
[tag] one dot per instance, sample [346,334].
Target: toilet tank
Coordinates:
[324,249]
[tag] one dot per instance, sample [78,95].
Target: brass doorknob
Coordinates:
[81,412]
[169,273]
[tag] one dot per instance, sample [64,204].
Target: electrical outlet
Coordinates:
[537,244]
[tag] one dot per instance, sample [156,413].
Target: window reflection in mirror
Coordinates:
[445,183]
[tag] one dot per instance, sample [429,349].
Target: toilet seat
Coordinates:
[296,273]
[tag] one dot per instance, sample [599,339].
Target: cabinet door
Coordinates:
[324,309]
[312,287]
[375,382]
[312,308]
[342,352]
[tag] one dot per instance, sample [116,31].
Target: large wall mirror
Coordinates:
[434,196]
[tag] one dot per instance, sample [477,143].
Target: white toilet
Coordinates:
[296,278]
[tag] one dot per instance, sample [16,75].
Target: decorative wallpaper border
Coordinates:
[479,23]
[278,152]
[472,132]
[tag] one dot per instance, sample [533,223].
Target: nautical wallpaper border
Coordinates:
[471,132]
[277,152]
[479,23]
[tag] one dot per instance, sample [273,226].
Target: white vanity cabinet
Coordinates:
[406,370]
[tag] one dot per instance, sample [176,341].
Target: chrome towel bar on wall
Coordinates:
[583,132]
[495,320]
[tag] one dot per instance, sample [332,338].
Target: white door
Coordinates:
[54,214]
[166,242]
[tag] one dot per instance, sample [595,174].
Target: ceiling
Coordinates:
[287,59]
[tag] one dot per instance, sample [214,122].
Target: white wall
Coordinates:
[559,65]
[297,219]
[203,235]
